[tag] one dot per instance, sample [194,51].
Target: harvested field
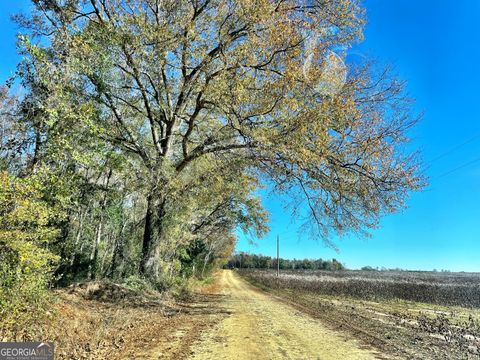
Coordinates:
[450,289]
[381,314]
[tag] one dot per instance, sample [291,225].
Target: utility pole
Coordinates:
[278,255]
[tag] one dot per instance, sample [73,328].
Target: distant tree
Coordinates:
[253,261]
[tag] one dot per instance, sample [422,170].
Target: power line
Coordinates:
[278,255]
[452,150]
[457,168]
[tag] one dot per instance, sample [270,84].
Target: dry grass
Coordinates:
[100,320]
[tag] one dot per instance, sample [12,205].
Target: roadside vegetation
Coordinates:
[26,263]
[427,315]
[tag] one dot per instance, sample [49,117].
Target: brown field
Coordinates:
[377,307]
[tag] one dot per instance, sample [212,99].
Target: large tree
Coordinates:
[172,83]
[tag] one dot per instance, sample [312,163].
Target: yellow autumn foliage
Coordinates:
[26,264]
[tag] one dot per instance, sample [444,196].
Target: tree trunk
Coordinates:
[205,261]
[94,254]
[152,231]
[154,219]
[92,266]
[118,248]
[147,236]
[78,237]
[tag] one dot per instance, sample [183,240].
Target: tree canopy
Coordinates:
[164,117]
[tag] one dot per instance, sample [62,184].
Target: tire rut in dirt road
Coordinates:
[261,327]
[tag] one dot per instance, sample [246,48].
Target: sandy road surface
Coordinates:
[262,327]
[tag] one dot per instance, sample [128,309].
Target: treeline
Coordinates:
[252,261]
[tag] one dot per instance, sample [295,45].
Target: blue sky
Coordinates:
[435,46]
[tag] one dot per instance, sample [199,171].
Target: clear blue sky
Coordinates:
[435,46]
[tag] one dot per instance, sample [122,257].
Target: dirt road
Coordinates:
[262,327]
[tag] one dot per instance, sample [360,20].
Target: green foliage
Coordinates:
[136,282]
[26,264]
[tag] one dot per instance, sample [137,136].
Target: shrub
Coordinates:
[26,264]
[136,282]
